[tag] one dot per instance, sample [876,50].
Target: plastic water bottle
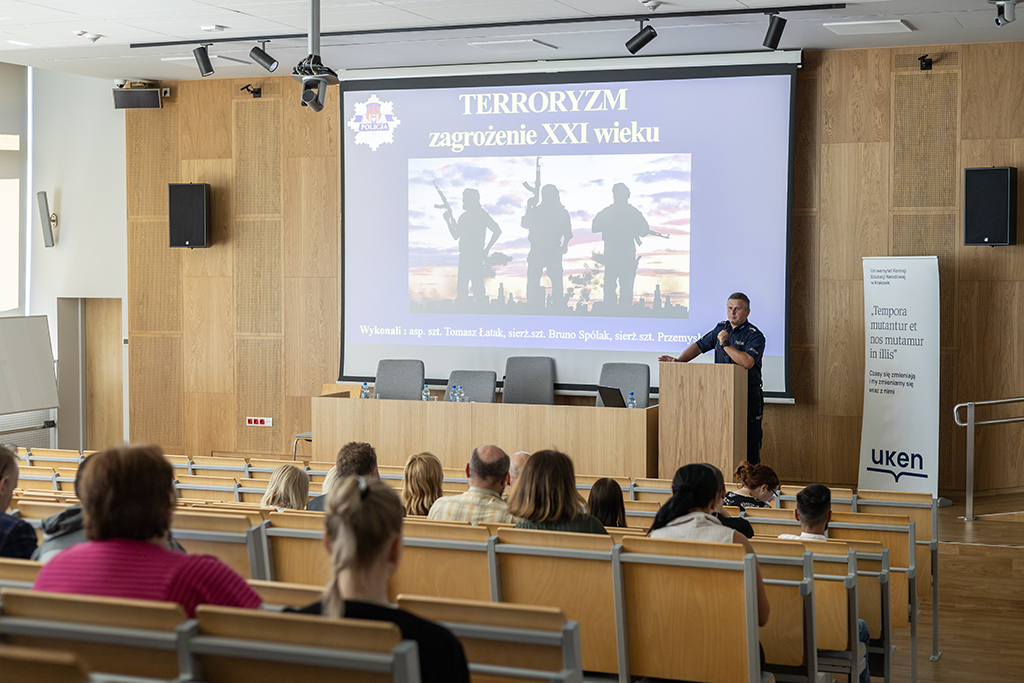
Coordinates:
[631,401]
[462,395]
[425,395]
[365,391]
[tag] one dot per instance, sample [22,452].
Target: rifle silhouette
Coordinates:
[535,188]
[449,217]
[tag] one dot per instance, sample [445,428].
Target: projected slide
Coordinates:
[617,250]
[591,221]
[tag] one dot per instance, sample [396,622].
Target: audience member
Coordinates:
[364,534]
[17,537]
[128,499]
[517,460]
[288,489]
[758,484]
[605,503]
[721,514]
[330,481]
[687,516]
[422,483]
[814,512]
[546,497]
[354,459]
[488,476]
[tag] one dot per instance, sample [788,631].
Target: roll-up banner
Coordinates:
[899,443]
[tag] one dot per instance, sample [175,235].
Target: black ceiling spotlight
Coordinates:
[203,60]
[645,35]
[776,25]
[926,62]
[259,55]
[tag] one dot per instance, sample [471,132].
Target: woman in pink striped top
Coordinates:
[127,500]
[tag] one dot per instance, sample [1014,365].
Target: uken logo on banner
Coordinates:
[374,122]
[897,463]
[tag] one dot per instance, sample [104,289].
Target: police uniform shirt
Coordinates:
[746,338]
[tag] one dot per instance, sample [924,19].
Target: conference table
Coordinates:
[601,441]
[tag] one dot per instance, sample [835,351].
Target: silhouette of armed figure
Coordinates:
[550,232]
[621,226]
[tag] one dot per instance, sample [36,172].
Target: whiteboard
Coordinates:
[27,380]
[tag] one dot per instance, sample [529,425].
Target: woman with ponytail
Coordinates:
[687,516]
[364,538]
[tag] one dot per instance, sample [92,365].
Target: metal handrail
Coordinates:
[971,423]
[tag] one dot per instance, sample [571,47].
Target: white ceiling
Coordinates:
[46,30]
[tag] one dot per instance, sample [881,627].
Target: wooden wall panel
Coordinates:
[838,446]
[217,259]
[925,134]
[152,158]
[993,91]
[841,348]
[932,235]
[854,208]
[789,430]
[855,96]
[104,398]
[312,310]
[257,154]
[155,398]
[154,278]
[209,423]
[259,381]
[258,281]
[205,119]
[208,335]
[312,232]
[308,133]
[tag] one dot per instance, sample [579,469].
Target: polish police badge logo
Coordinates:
[374,122]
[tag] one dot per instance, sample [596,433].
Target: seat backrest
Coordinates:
[298,555]
[460,571]
[32,665]
[209,466]
[783,639]
[515,645]
[659,490]
[581,588]
[920,508]
[51,457]
[16,573]
[869,590]
[529,379]
[53,612]
[477,385]
[703,632]
[627,377]
[205,488]
[281,594]
[219,533]
[842,499]
[35,477]
[399,379]
[346,639]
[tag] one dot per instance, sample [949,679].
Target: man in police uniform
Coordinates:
[737,341]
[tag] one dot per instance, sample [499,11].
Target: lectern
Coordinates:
[703,416]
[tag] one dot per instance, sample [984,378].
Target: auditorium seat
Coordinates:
[478,385]
[32,665]
[627,377]
[399,379]
[529,379]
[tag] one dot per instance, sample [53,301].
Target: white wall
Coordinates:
[78,158]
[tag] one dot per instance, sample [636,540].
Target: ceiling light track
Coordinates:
[788,9]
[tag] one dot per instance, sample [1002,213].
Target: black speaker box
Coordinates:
[189,214]
[990,206]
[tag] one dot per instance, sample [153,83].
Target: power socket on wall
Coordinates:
[259,421]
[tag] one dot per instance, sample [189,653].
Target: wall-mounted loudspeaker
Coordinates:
[990,206]
[47,220]
[189,214]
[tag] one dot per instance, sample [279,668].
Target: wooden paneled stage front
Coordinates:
[601,441]
[701,418]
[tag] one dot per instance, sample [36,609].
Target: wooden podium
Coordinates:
[703,416]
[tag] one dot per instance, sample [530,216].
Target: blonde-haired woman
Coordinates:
[364,535]
[288,489]
[421,483]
